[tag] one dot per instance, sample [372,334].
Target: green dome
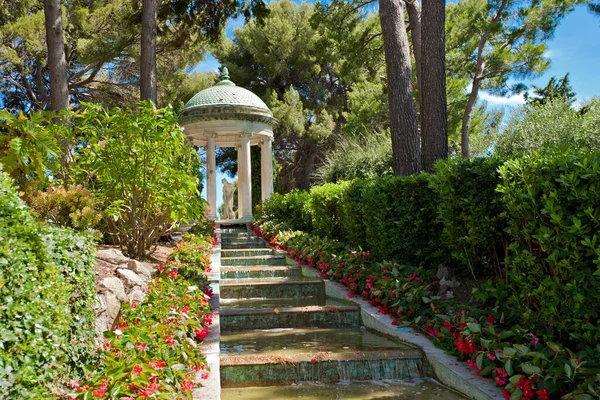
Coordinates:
[225,100]
[225,93]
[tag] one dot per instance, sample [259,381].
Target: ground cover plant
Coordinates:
[154,351]
[46,296]
[532,225]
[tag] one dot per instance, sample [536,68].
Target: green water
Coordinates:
[417,390]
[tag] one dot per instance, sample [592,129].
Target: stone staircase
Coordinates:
[279,328]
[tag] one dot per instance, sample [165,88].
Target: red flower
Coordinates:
[187,385]
[170,340]
[506,394]
[160,268]
[101,391]
[205,375]
[350,294]
[141,347]
[314,360]
[491,319]
[491,356]
[543,394]
[201,334]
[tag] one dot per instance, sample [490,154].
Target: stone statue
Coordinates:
[228,190]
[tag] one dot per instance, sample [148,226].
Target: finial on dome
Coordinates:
[224,74]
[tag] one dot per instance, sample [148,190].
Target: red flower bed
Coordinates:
[154,352]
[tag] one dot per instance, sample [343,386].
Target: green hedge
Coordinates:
[553,208]
[469,209]
[46,296]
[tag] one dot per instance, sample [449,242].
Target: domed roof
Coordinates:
[225,100]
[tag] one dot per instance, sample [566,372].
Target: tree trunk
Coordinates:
[466,121]
[305,166]
[406,151]
[57,64]
[148,51]
[414,23]
[434,124]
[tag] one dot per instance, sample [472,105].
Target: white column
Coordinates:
[244,173]
[240,183]
[266,169]
[211,177]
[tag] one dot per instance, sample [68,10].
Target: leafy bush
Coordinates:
[75,207]
[154,351]
[469,209]
[365,157]
[550,126]
[142,170]
[46,292]
[393,217]
[553,210]
[289,208]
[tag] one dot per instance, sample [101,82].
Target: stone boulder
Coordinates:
[114,285]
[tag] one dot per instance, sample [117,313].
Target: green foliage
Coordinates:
[47,293]
[28,147]
[554,90]
[155,346]
[550,126]
[289,209]
[393,217]
[553,207]
[142,170]
[75,207]
[358,157]
[469,210]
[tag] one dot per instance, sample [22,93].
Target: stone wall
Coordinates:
[122,280]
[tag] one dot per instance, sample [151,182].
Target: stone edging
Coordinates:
[445,368]
[211,346]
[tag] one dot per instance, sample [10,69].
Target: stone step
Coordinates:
[271,288]
[261,271]
[282,302]
[244,245]
[237,234]
[243,319]
[253,260]
[247,252]
[269,370]
[288,342]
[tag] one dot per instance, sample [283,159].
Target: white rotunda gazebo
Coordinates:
[227,115]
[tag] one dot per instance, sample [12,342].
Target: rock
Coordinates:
[140,269]
[100,305]
[112,256]
[115,285]
[113,305]
[132,279]
[137,295]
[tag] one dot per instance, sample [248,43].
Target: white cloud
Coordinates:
[514,100]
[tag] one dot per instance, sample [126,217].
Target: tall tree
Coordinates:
[57,64]
[403,118]
[555,89]
[148,50]
[434,122]
[499,40]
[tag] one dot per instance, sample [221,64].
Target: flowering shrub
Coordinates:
[492,343]
[154,351]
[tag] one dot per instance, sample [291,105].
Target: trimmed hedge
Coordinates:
[46,297]
[532,223]
[553,208]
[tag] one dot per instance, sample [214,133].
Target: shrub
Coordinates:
[469,209]
[325,206]
[550,126]
[290,208]
[553,211]
[141,168]
[75,207]
[46,292]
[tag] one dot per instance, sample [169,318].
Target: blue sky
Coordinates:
[575,48]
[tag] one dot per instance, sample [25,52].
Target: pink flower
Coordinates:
[141,347]
[491,356]
[160,268]
[170,340]
[471,364]
[137,369]
[350,294]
